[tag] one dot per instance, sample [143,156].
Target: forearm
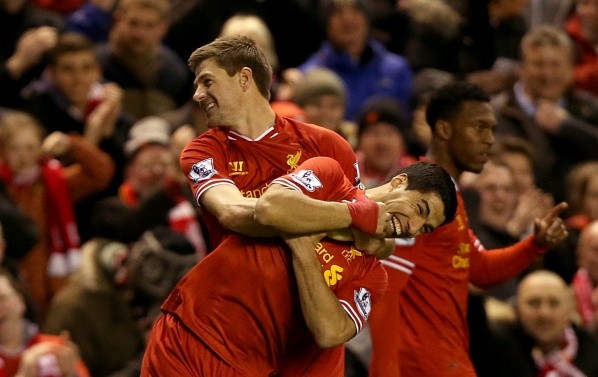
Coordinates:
[492,267]
[325,317]
[239,217]
[293,212]
[93,170]
[234,211]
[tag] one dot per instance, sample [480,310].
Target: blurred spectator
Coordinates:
[254,27]
[585,280]
[582,184]
[18,232]
[518,155]
[583,28]
[24,351]
[322,97]
[154,78]
[152,193]
[93,308]
[204,19]
[544,109]
[498,198]
[384,141]
[543,340]
[46,191]
[367,68]
[555,12]
[432,34]
[93,18]
[425,82]
[73,97]
[61,6]
[28,32]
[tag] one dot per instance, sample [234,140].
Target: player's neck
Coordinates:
[254,123]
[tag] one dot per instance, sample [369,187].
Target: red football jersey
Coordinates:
[420,327]
[242,298]
[221,157]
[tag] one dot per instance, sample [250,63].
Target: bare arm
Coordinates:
[328,322]
[234,211]
[293,212]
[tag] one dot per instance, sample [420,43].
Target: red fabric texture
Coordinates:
[583,288]
[62,227]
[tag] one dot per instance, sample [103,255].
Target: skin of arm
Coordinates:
[323,313]
[293,212]
[234,211]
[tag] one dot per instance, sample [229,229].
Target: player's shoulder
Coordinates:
[214,137]
[303,129]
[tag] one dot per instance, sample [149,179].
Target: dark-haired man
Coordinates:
[420,327]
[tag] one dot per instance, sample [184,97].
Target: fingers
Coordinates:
[552,234]
[555,212]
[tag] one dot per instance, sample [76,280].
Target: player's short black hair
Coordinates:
[446,102]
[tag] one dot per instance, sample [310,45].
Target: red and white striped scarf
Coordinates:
[583,288]
[559,362]
[60,217]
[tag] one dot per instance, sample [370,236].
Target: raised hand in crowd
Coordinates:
[532,203]
[549,115]
[105,106]
[30,48]
[50,359]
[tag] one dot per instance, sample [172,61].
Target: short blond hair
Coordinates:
[253,27]
[547,35]
[14,121]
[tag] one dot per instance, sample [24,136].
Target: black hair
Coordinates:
[446,102]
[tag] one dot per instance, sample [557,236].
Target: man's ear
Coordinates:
[443,129]
[245,77]
[399,180]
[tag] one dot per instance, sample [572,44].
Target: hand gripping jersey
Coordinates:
[242,299]
[420,327]
[222,157]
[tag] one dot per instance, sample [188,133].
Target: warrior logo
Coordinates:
[202,170]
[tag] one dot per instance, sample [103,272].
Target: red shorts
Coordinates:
[173,351]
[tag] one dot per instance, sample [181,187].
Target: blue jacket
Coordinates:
[380,73]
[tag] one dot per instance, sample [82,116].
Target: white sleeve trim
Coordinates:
[355,317]
[212,183]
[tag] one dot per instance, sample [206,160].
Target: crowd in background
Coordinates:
[96,106]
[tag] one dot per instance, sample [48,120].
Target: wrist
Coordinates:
[364,214]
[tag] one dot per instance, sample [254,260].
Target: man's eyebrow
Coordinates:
[200,77]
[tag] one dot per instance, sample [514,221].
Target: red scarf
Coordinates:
[60,217]
[182,218]
[583,288]
[559,362]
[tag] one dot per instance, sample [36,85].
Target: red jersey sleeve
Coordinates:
[363,291]
[320,178]
[203,161]
[491,267]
